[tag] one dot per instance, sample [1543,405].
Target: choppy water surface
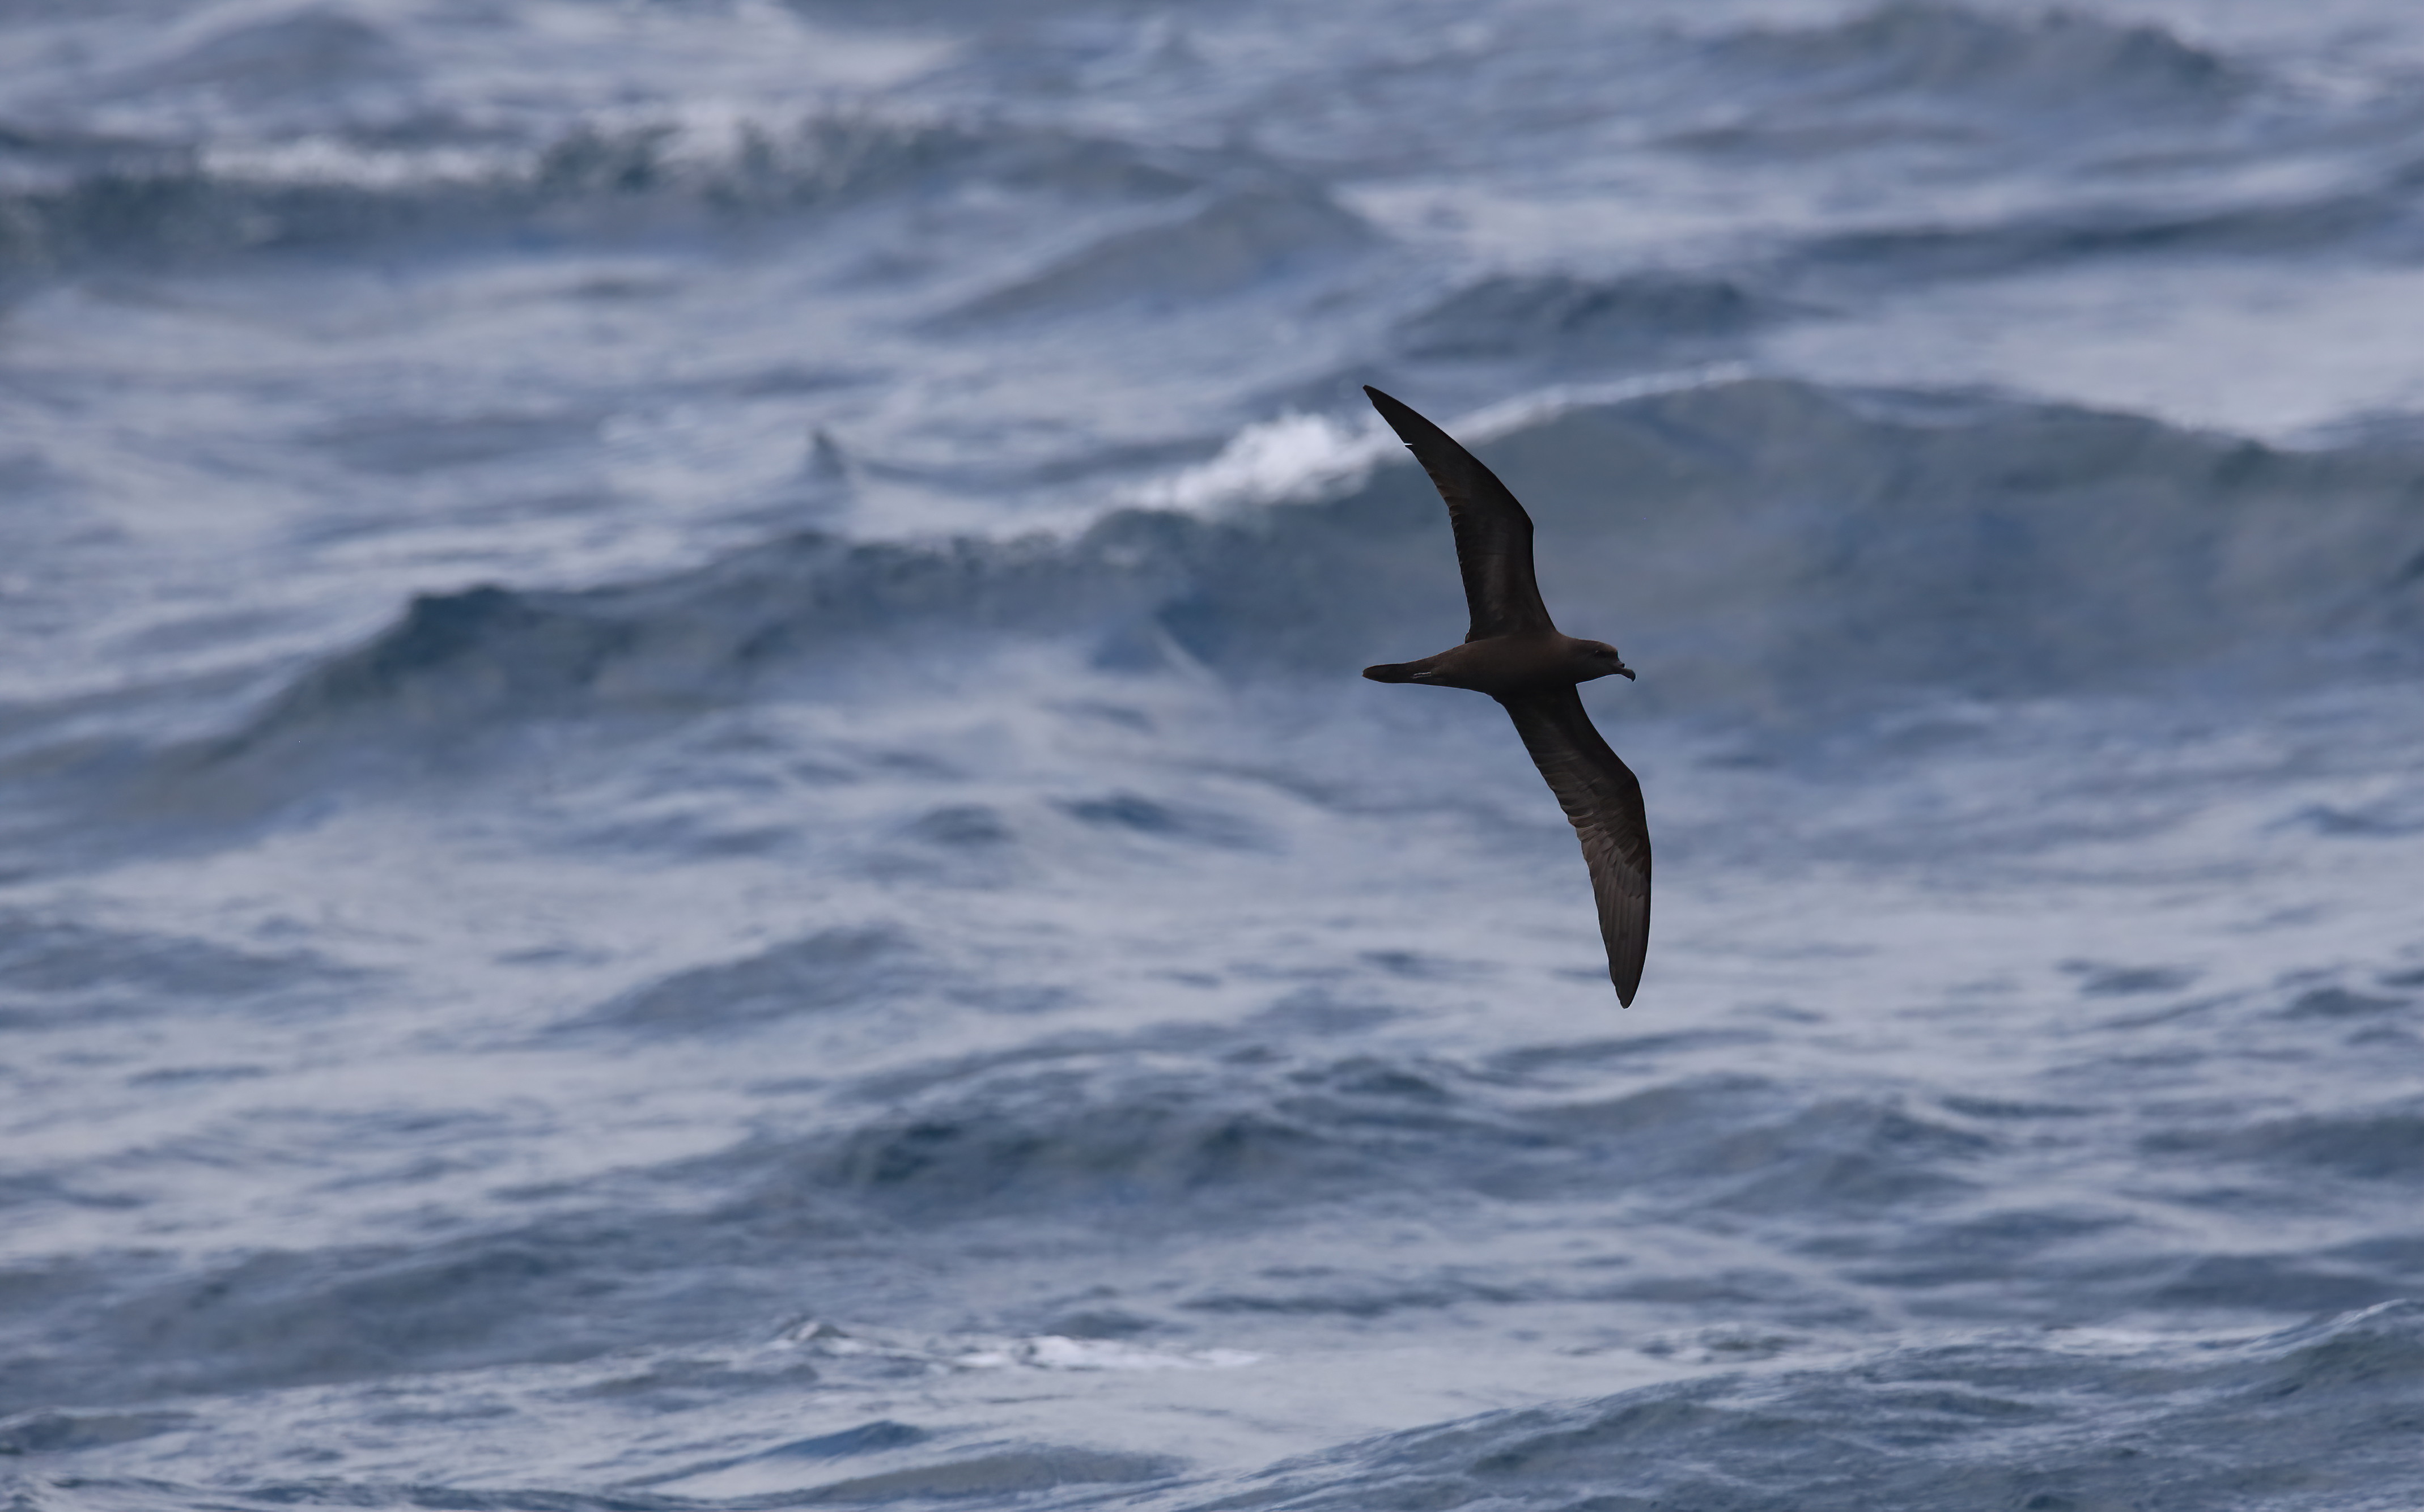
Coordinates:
[687,822]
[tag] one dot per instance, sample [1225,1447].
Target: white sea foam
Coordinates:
[1292,458]
[1054,1352]
[333,161]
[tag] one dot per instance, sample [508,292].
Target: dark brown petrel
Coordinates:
[1517,655]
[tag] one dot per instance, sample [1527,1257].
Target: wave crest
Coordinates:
[1745,541]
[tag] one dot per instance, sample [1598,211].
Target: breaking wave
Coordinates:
[73,202]
[1747,539]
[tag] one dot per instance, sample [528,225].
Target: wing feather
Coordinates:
[1602,799]
[1494,535]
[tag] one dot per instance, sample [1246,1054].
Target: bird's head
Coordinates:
[1597,659]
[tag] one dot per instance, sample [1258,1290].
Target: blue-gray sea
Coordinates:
[686,822]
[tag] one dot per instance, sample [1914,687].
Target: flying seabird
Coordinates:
[1516,654]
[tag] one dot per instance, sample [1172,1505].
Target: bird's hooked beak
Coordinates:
[1626,673]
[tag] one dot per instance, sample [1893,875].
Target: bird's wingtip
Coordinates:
[1402,417]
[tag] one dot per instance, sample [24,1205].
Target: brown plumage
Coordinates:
[1516,654]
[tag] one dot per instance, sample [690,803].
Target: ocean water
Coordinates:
[685,821]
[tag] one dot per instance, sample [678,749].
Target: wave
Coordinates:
[1144,1138]
[317,55]
[1751,544]
[74,201]
[2375,217]
[54,973]
[1663,319]
[2366,1144]
[2055,61]
[995,1472]
[2062,1418]
[1234,239]
[1200,1134]
[2092,1423]
[832,970]
[840,970]
[1640,317]
[1127,1133]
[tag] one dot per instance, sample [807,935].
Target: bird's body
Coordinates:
[1518,656]
[1504,666]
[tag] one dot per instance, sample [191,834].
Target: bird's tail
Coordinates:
[1393,671]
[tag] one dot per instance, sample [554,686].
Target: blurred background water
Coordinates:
[687,822]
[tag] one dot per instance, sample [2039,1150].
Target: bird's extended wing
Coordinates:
[1494,535]
[1603,798]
